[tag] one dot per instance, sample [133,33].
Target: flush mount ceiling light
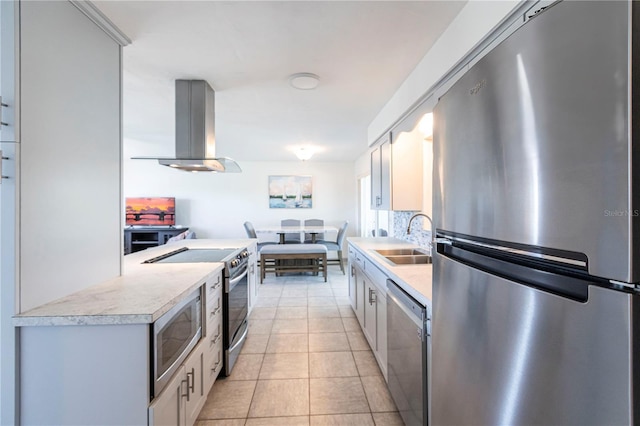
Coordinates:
[304,153]
[304,81]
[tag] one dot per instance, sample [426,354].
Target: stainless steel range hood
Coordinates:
[195,131]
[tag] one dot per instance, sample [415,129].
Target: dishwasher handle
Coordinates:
[412,308]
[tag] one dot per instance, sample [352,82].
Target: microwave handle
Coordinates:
[236,280]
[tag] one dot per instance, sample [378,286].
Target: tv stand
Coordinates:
[140,238]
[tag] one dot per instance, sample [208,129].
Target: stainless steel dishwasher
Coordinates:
[409,347]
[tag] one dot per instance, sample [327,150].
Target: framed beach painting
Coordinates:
[290,192]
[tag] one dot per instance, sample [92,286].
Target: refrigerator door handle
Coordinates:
[570,287]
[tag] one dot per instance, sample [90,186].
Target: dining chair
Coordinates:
[336,246]
[291,238]
[313,222]
[251,233]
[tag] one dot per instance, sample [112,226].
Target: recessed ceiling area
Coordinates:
[361,50]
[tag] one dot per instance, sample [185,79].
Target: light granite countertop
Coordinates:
[141,295]
[414,279]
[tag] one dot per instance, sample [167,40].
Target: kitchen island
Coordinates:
[142,294]
[88,358]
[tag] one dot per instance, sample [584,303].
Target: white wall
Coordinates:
[474,22]
[215,205]
[60,218]
[70,153]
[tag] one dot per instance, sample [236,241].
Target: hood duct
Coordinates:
[195,131]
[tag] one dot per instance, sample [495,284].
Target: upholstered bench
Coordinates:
[273,255]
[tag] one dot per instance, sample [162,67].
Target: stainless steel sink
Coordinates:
[403,252]
[414,259]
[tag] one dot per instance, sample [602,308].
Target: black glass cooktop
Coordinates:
[186,255]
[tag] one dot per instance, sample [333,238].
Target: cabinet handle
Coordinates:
[353,271]
[216,286]
[191,387]
[372,295]
[185,394]
[216,339]
[216,311]
[217,364]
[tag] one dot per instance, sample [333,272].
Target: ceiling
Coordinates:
[361,50]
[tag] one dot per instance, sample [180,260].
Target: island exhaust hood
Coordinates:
[195,131]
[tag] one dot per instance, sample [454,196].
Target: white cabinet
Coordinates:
[181,400]
[168,408]
[196,396]
[407,169]
[375,321]
[381,174]
[352,278]
[370,318]
[381,332]
[397,172]
[368,284]
[212,360]
[356,284]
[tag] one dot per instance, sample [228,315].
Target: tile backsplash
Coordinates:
[418,235]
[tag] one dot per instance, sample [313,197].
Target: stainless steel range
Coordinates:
[236,293]
[236,307]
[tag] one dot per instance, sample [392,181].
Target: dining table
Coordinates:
[313,230]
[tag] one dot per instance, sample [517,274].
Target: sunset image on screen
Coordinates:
[151,211]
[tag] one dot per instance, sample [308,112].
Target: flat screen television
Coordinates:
[150,211]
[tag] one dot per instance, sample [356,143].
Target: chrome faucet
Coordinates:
[416,215]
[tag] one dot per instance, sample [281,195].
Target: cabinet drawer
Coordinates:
[214,333]
[214,364]
[378,277]
[359,259]
[214,308]
[352,253]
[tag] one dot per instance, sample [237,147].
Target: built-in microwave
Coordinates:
[175,334]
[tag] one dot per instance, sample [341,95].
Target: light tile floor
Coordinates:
[305,362]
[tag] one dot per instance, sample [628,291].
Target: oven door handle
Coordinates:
[241,339]
[233,282]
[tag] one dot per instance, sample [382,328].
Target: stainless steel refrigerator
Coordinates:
[537,214]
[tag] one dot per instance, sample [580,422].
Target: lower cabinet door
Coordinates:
[352,284]
[194,369]
[381,333]
[168,408]
[370,318]
[360,296]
